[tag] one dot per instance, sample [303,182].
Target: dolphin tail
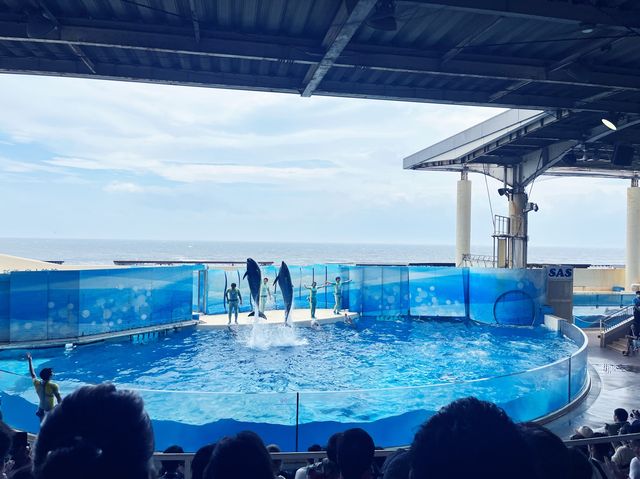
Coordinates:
[245,274]
[262,315]
[252,313]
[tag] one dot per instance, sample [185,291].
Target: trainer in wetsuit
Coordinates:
[337,293]
[265,295]
[45,389]
[634,329]
[313,297]
[233,298]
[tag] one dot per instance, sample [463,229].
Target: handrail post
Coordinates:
[569,383]
[297,418]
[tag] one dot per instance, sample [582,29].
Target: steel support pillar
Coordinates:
[518,229]
[632,270]
[463,219]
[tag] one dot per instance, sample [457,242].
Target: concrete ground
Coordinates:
[615,382]
[299,317]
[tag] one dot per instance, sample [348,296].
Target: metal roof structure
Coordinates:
[543,54]
[518,145]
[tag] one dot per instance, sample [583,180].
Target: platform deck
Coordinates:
[299,317]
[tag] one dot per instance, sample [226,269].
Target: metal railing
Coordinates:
[300,458]
[483,260]
[614,319]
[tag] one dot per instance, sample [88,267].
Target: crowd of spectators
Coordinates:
[100,432]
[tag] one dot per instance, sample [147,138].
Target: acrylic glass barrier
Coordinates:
[618,300]
[49,305]
[300,419]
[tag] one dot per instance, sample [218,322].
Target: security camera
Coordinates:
[530,207]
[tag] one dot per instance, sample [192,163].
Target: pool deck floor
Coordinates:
[299,317]
[615,382]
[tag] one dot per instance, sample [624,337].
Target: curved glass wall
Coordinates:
[297,420]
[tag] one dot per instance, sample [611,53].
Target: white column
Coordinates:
[463,219]
[632,271]
[518,229]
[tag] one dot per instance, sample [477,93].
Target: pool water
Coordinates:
[373,354]
[272,376]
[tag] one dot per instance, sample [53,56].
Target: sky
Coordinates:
[114,160]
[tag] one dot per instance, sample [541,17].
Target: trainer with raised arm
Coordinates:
[313,297]
[233,298]
[45,389]
[337,293]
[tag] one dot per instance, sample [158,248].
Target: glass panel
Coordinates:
[506,296]
[4,307]
[436,292]
[392,416]
[197,418]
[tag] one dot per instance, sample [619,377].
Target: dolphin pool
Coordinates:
[295,386]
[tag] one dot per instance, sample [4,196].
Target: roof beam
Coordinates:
[145,74]
[561,65]
[74,48]
[453,52]
[545,10]
[277,49]
[195,20]
[468,97]
[336,41]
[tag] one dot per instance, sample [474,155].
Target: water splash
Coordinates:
[266,336]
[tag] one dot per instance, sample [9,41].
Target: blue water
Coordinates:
[373,354]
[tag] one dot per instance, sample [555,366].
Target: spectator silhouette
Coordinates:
[97,432]
[200,461]
[171,469]
[470,438]
[355,454]
[548,452]
[240,457]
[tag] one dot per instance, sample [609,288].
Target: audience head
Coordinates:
[240,457]
[622,458]
[548,452]
[332,447]
[635,447]
[355,453]
[584,432]
[313,447]
[397,465]
[172,466]
[470,438]
[97,432]
[276,464]
[200,461]
[599,450]
[620,415]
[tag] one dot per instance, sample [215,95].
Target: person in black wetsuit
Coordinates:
[634,329]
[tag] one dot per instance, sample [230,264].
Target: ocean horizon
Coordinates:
[105,251]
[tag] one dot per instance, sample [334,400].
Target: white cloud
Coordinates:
[123,187]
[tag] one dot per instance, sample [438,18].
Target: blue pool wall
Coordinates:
[503,296]
[54,305]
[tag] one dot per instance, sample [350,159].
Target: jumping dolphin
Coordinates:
[284,280]
[255,280]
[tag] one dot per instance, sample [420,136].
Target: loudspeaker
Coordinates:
[622,155]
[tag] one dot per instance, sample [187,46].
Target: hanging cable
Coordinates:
[534,178]
[486,183]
